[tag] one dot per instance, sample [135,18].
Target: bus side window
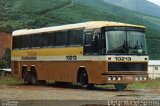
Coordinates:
[26,41]
[36,40]
[79,37]
[46,39]
[62,38]
[17,42]
[75,37]
[91,44]
[71,37]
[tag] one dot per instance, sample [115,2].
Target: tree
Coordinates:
[3,63]
[6,58]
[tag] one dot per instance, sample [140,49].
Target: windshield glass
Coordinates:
[116,41]
[125,42]
[136,42]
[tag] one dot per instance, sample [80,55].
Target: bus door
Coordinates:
[91,43]
[91,54]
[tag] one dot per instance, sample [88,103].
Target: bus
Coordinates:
[89,53]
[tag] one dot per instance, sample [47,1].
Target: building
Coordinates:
[5,42]
[5,72]
[154,69]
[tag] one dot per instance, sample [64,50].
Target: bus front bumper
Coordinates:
[120,79]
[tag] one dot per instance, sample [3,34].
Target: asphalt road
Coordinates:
[53,95]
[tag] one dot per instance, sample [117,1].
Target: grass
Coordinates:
[151,84]
[10,81]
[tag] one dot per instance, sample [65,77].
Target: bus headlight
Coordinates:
[140,78]
[114,78]
[136,78]
[145,78]
[119,78]
[109,78]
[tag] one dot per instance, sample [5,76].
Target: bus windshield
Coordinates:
[125,42]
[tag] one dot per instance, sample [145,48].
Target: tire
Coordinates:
[26,77]
[120,87]
[83,79]
[34,80]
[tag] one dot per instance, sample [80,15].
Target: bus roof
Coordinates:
[85,25]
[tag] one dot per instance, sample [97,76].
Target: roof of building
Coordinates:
[154,62]
[6,70]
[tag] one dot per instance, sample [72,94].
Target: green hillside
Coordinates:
[20,14]
[142,6]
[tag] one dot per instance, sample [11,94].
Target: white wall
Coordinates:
[154,71]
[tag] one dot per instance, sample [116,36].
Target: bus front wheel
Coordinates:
[83,79]
[120,87]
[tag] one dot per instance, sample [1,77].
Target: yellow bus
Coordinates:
[89,53]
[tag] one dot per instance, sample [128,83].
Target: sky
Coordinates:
[155,1]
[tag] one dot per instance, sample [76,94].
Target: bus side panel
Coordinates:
[65,71]
[58,71]
[15,66]
[47,70]
[93,70]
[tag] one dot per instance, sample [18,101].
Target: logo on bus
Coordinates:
[28,58]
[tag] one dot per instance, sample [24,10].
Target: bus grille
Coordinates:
[120,66]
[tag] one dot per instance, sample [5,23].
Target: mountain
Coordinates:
[21,14]
[142,6]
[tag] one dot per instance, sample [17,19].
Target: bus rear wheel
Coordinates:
[26,77]
[33,78]
[120,87]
